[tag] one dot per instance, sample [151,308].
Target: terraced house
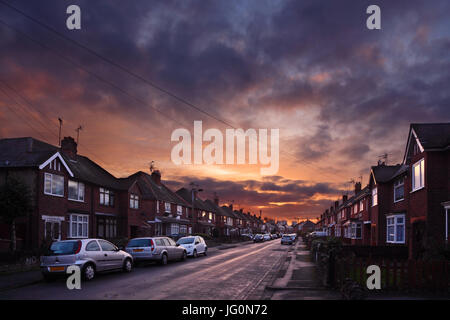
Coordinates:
[73,198]
[405,205]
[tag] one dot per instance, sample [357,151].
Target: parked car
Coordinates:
[267,237]
[247,235]
[159,249]
[91,255]
[287,239]
[273,236]
[194,245]
[258,238]
[318,234]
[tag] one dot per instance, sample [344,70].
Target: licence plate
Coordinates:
[138,250]
[53,269]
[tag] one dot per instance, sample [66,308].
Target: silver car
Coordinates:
[91,255]
[160,249]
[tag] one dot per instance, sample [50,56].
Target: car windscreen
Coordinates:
[63,248]
[287,237]
[139,243]
[185,241]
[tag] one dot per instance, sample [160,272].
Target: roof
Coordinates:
[432,135]
[186,195]
[384,173]
[30,152]
[150,190]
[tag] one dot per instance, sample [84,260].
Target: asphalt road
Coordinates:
[235,273]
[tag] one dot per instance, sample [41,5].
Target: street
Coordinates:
[235,273]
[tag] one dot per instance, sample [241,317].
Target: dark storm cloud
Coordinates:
[243,61]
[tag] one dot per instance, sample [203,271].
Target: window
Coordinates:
[78,226]
[183,229]
[399,190]
[107,246]
[356,230]
[54,184]
[106,227]
[395,229]
[374,197]
[337,231]
[157,206]
[167,207]
[174,228]
[203,214]
[76,190]
[52,230]
[355,208]
[92,246]
[179,210]
[361,205]
[134,201]
[106,197]
[210,216]
[418,175]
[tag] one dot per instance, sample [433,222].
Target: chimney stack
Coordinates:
[344,198]
[231,207]
[69,147]
[156,177]
[357,187]
[336,204]
[216,199]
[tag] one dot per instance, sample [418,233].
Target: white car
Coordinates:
[194,245]
[267,237]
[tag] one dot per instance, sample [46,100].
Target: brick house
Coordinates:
[72,196]
[405,205]
[203,218]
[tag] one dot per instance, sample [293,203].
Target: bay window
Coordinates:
[79,226]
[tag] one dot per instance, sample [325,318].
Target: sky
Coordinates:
[341,95]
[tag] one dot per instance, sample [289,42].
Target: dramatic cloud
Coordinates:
[341,95]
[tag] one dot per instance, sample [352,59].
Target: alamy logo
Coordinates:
[374,280]
[74,278]
[213,153]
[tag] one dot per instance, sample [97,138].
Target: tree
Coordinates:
[15,202]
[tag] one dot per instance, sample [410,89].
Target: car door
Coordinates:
[171,253]
[111,256]
[94,252]
[176,251]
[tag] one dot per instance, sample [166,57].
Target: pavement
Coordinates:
[297,278]
[233,271]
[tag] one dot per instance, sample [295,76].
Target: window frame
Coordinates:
[84,221]
[79,183]
[46,174]
[395,224]
[111,197]
[134,201]
[421,164]
[399,183]
[167,205]
[374,196]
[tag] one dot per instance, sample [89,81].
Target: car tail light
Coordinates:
[78,248]
[152,245]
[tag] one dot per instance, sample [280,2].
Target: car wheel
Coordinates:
[127,265]
[163,259]
[194,254]
[89,272]
[184,256]
[206,249]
